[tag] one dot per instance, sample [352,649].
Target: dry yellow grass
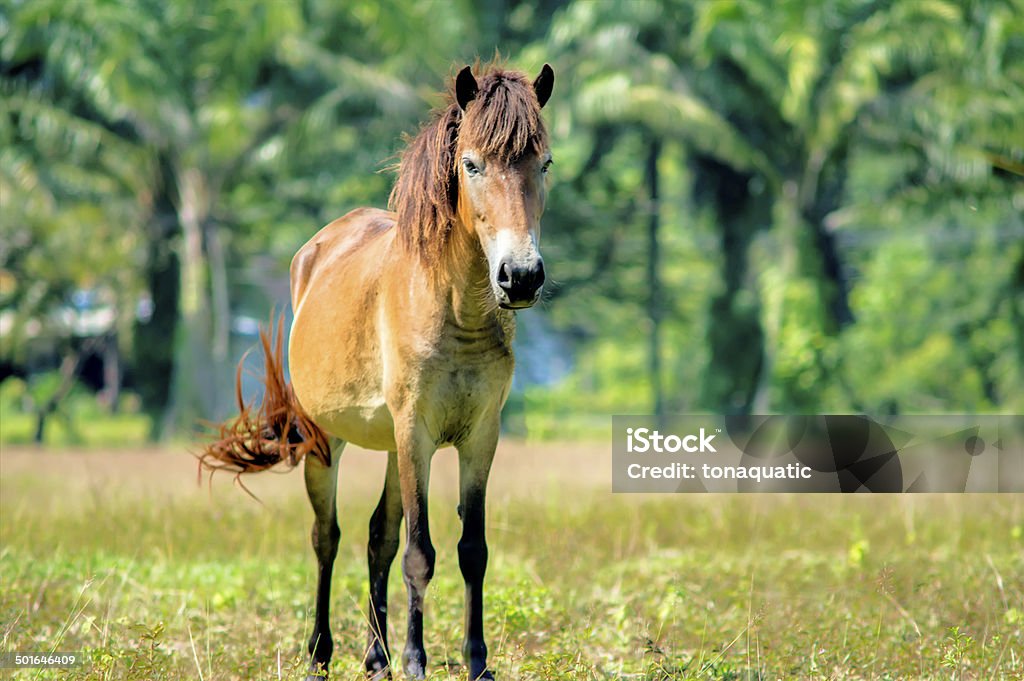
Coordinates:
[125,556]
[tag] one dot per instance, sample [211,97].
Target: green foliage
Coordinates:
[846,124]
[837,225]
[956,651]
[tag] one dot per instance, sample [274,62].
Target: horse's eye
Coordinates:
[471,168]
[544,168]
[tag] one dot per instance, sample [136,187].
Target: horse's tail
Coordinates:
[278,430]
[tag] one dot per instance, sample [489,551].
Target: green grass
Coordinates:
[79,419]
[179,584]
[18,428]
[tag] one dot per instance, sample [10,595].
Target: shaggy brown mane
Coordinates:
[503,121]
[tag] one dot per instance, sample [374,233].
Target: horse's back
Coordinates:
[338,240]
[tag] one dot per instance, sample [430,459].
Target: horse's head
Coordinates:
[502,157]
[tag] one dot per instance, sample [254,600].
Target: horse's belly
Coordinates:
[341,391]
[368,426]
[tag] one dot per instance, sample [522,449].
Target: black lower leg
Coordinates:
[418,569]
[473,563]
[321,486]
[380,553]
[415,448]
[321,646]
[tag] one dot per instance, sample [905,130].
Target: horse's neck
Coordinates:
[466,288]
[472,307]
[469,300]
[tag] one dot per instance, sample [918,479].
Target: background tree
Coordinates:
[755,206]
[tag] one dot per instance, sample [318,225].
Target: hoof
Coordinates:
[475,655]
[414,664]
[378,668]
[378,673]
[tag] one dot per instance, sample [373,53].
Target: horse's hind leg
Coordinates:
[380,553]
[322,487]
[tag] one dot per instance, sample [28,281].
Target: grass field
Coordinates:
[121,555]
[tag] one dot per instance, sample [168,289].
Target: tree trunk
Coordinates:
[111,393]
[821,193]
[68,372]
[735,337]
[655,311]
[221,322]
[792,262]
[156,326]
[153,349]
[194,383]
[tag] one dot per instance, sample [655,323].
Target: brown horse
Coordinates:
[402,341]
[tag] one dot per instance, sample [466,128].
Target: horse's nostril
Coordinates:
[504,275]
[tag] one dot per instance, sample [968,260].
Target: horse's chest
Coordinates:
[464,386]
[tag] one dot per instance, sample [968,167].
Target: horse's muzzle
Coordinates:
[519,285]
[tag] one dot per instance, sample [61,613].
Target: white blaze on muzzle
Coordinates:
[517,269]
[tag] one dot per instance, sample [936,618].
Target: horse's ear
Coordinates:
[465,87]
[543,84]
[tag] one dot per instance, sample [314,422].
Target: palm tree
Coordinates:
[769,99]
[797,79]
[632,102]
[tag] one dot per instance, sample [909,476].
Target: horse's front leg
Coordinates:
[415,449]
[475,457]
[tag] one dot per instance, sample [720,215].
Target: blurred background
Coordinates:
[794,206]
